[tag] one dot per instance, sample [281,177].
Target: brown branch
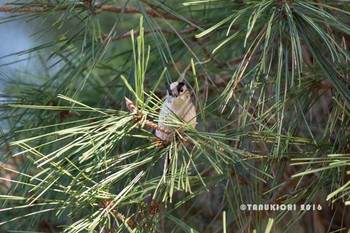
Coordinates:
[99,9]
[106,204]
[138,116]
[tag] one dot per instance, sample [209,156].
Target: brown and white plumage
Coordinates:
[177,105]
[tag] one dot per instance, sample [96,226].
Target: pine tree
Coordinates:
[270,81]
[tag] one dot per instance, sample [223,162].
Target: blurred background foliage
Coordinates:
[270,80]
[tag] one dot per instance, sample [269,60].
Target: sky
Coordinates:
[14,37]
[18,36]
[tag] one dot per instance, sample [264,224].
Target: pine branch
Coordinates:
[97,10]
[139,116]
[107,204]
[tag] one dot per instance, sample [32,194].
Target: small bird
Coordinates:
[177,105]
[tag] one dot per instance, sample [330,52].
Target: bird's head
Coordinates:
[177,89]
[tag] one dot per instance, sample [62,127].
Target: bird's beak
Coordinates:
[170,92]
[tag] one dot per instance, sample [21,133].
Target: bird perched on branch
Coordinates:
[176,107]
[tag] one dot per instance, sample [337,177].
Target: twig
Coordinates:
[132,108]
[155,8]
[130,105]
[99,9]
[139,115]
[106,204]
